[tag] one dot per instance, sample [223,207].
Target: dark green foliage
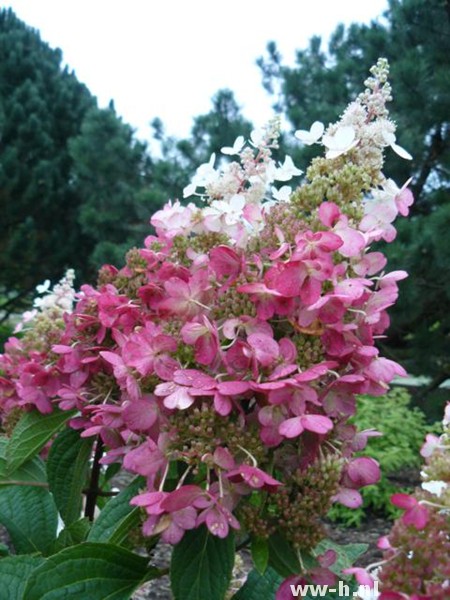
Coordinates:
[202,565]
[404,429]
[111,173]
[41,107]
[74,183]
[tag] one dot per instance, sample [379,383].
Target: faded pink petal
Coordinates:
[404,199]
[361,576]
[431,443]
[348,497]
[217,523]
[222,404]
[180,399]
[181,498]
[223,458]
[194,378]
[383,543]
[254,477]
[291,428]
[231,388]
[265,348]
[328,558]
[363,471]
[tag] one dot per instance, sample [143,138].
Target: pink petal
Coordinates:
[403,501]
[223,458]
[329,213]
[181,498]
[266,348]
[383,543]
[140,415]
[364,471]
[180,399]
[222,404]
[317,423]
[328,558]
[361,576]
[349,498]
[217,523]
[231,388]
[194,378]
[291,428]
[224,261]
[417,516]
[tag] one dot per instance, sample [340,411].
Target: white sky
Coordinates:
[167,59]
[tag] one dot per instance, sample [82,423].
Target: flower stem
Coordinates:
[93,490]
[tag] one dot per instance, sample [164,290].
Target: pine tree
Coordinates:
[41,106]
[112,175]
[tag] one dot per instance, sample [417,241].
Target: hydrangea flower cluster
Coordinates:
[222,362]
[416,565]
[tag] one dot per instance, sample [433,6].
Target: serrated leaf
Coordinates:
[89,571]
[67,467]
[260,553]
[30,516]
[75,533]
[118,517]
[14,572]
[346,554]
[31,434]
[32,471]
[282,557]
[202,565]
[259,587]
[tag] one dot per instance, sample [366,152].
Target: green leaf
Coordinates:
[4,550]
[30,516]
[260,553]
[346,554]
[31,434]
[75,533]
[202,565]
[282,557]
[67,467]
[33,471]
[118,517]
[89,571]
[259,587]
[14,572]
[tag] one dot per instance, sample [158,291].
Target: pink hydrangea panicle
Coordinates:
[222,362]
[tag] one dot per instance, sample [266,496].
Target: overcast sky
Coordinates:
[167,59]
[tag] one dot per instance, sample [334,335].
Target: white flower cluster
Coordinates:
[61,296]
[363,126]
[236,194]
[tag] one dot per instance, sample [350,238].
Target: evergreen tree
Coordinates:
[112,175]
[41,107]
